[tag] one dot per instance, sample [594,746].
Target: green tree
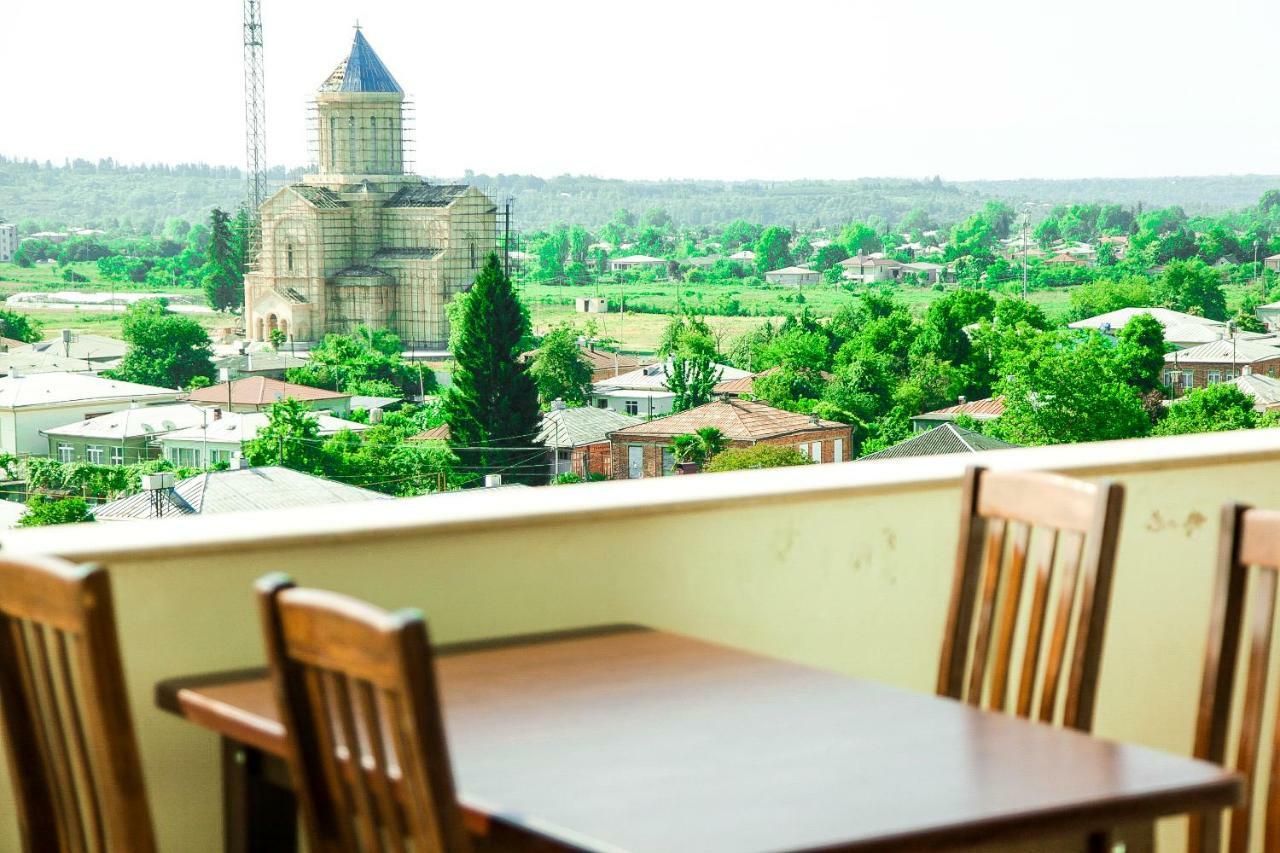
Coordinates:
[42,510]
[223,275]
[559,368]
[773,249]
[1194,287]
[1140,352]
[1105,295]
[168,350]
[1218,408]
[350,363]
[692,371]
[698,446]
[756,456]
[291,439]
[493,403]
[20,327]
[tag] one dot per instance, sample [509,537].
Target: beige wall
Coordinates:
[846,567]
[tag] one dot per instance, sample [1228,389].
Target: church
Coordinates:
[360,241]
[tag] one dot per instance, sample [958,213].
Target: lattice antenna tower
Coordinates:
[255,122]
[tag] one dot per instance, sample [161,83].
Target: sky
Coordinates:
[965,89]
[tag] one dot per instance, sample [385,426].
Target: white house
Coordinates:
[1181,330]
[635,262]
[225,434]
[643,392]
[745,257]
[792,275]
[30,404]
[124,437]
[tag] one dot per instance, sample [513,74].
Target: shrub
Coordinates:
[757,456]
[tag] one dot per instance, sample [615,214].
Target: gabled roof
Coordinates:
[52,389]
[133,423]
[746,384]
[361,71]
[653,377]
[426,195]
[82,346]
[578,426]
[637,259]
[1164,316]
[233,427]
[243,490]
[440,433]
[739,420]
[1224,352]
[986,409]
[1265,390]
[941,440]
[792,271]
[320,197]
[260,391]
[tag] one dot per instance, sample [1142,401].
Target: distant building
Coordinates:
[793,276]
[940,441]
[645,450]
[124,437]
[269,364]
[1271,262]
[746,257]
[1269,314]
[1066,259]
[96,352]
[578,439]
[1181,330]
[1264,390]
[927,273]
[643,392]
[635,262]
[870,269]
[222,435]
[257,393]
[8,241]
[1219,361]
[238,490]
[31,404]
[744,386]
[591,305]
[986,409]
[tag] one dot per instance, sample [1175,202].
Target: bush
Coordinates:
[757,456]
[42,510]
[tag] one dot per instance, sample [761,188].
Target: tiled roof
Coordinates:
[939,441]
[739,420]
[426,195]
[582,425]
[361,71]
[259,391]
[746,384]
[985,409]
[440,433]
[1224,352]
[242,490]
[48,389]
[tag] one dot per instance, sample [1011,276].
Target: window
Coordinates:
[635,461]
[602,404]
[1214,376]
[373,137]
[65,453]
[1168,377]
[333,143]
[668,461]
[632,407]
[93,453]
[815,451]
[117,455]
[1188,378]
[185,457]
[288,257]
[837,452]
[351,143]
[219,456]
[804,450]
[473,254]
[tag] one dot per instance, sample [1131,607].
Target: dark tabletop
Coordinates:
[630,739]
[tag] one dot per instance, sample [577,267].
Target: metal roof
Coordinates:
[239,427]
[320,197]
[243,490]
[940,441]
[1264,390]
[52,389]
[1164,316]
[1224,352]
[653,377]
[583,425]
[133,423]
[427,195]
[361,71]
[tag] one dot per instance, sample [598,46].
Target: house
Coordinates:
[1119,244]
[95,352]
[578,438]
[256,393]
[269,364]
[591,305]
[235,490]
[24,360]
[1269,314]
[925,272]
[986,409]
[700,262]
[636,262]
[32,403]
[223,434]
[1219,361]
[644,450]
[123,437]
[868,268]
[943,439]
[1180,329]
[375,404]
[1271,262]
[746,257]
[793,275]
[1265,390]
[1063,259]
[643,392]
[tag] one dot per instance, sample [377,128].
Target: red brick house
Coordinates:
[1219,361]
[578,439]
[644,450]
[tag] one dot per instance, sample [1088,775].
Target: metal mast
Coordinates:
[255,120]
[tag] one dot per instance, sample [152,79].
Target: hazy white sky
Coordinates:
[663,89]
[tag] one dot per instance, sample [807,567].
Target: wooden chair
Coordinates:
[1244,603]
[357,693]
[72,750]
[1067,529]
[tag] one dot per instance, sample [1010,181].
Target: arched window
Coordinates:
[288,257]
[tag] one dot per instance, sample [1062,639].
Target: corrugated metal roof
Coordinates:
[1164,316]
[248,489]
[47,389]
[1224,352]
[582,425]
[739,420]
[361,71]
[940,441]
[653,377]
[131,423]
[1264,390]
[427,195]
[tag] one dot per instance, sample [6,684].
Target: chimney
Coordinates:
[238,462]
[558,405]
[217,414]
[963,400]
[814,419]
[492,481]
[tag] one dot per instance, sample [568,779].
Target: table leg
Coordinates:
[258,815]
[1138,837]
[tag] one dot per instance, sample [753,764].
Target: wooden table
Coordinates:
[623,738]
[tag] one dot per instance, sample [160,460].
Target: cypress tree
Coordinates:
[493,403]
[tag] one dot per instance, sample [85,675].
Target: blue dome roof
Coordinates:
[362,71]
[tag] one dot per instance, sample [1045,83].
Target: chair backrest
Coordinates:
[1036,551]
[1244,603]
[357,693]
[72,749]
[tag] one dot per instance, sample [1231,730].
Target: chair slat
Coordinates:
[1044,566]
[996,533]
[81,753]
[380,777]
[65,787]
[1009,613]
[366,819]
[337,807]
[1264,604]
